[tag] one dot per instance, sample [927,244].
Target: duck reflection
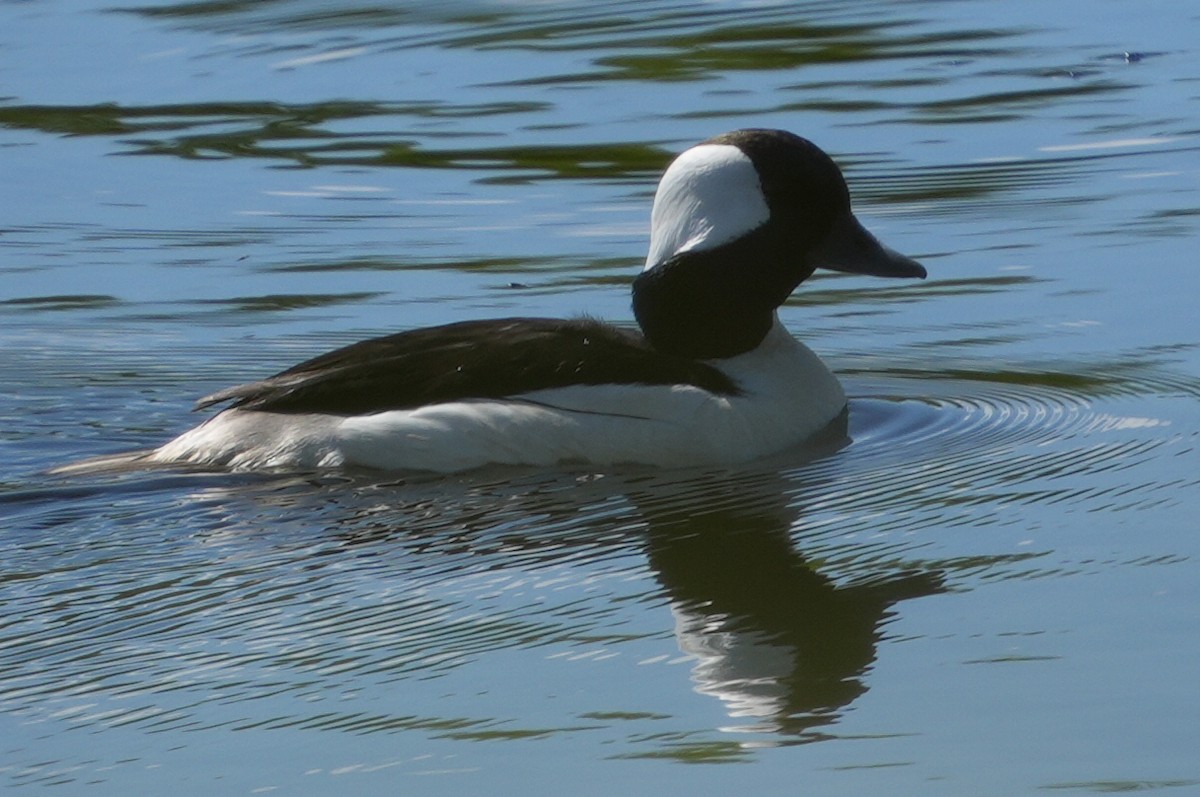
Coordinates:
[780,644]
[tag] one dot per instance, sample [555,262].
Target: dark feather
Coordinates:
[473,359]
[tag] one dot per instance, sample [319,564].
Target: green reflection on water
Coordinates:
[297,133]
[1142,376]
[709,752]
[1120,786]
[276,302]
[570,161]
[777,47]
[911,293]
[62,302]
[572,268]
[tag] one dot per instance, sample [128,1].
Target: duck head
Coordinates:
[738,222]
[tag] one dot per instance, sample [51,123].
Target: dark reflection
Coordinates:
[782,645]
[779,643]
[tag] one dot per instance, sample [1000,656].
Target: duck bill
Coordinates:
[851,248]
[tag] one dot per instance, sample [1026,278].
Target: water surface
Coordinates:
[988,587]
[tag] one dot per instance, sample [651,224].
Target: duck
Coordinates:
[710,377]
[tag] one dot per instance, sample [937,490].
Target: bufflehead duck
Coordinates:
[738,222]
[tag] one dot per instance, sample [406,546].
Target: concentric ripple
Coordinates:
[970,416]
[970,447]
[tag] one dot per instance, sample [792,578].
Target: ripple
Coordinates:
[171,631]
[965,448]
[262,603]
[970,421]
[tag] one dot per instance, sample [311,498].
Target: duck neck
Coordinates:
[714,303]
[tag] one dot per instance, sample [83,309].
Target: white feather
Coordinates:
[710,195]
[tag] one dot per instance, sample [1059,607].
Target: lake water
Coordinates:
[993,588]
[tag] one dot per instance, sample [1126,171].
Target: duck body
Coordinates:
[713,378]
[757,403]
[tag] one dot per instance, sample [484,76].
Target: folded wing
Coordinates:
[488,359]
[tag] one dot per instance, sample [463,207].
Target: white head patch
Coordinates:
[710,195]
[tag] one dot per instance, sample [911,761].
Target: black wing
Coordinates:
[472,359]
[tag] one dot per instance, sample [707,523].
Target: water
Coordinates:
[990,589]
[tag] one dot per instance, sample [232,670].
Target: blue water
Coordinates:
[990,588]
